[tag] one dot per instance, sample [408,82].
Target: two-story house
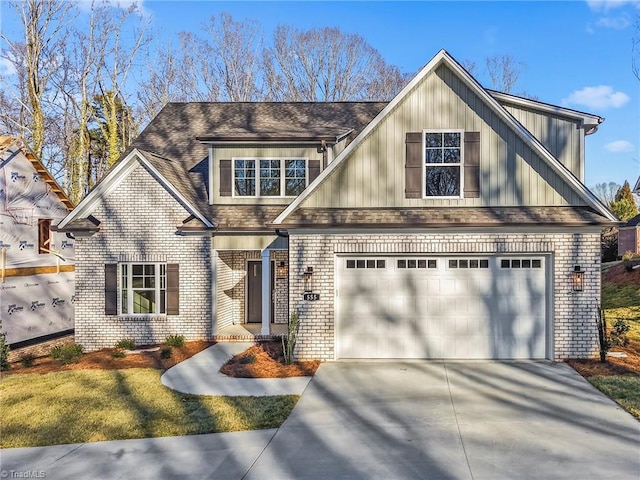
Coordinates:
[451,222]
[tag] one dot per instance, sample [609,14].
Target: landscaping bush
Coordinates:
[289,341]
[166,352]
[126,344]
[629,260]
[118,353]
[618,334]
[67,353]
[248,359]
[27,360]
[4,352]
[175,340]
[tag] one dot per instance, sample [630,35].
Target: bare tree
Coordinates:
[37,59]
[386,82]
[504,71]
[231,56]
[321,64]
[606,192]
[118,59]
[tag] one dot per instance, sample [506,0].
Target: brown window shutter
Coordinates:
[111,289]
[225,178]
[173,289]
[413,165]
[472,164]
[314,170]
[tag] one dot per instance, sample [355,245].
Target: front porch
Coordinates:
[249,332]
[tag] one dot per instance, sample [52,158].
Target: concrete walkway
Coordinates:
[390,420]
[200,375]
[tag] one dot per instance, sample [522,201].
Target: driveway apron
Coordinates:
[389,420]
[437,420]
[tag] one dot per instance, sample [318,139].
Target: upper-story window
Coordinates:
[269,177]
[443,163]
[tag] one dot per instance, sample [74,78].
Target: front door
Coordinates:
[254,291]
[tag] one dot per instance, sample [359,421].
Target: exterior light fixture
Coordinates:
[577,279]
[308,279]
[282,270]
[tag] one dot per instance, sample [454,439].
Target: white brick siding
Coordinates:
[138,223]
[574,313]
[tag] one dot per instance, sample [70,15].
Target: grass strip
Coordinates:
[623,389]
[93,405]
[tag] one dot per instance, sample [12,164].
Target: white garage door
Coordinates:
[441,307]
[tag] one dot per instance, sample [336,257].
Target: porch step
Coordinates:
[246,338]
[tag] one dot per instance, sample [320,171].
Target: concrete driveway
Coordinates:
[434,420]
[391,420]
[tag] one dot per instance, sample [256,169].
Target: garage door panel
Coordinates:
[498,311]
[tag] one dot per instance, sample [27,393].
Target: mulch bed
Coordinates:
[614,365]
[266,360]
[263,360]
[619,275]
[104,360]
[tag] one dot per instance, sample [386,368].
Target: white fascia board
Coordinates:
[106,186]
[533,142]
[120,172]
[586,118]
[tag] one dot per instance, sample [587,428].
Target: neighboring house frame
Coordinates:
[446,223]
[36,264]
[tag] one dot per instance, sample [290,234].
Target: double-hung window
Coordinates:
[143,288]
[443,163]
[269,177]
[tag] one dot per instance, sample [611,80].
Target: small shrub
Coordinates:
[118,353]
[4,352]
[67,353]
[618,334]
[126,344]
[175,340]
[248,359]
[27,360]
[166,352]
[289,341]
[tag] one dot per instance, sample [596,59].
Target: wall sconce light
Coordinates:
[282,270]
[577,279]
[308,279]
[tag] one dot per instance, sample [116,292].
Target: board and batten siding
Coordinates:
[561,136]
[511,174]
[271,151]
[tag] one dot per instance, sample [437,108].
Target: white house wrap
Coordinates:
[37,278]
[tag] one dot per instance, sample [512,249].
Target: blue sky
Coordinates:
[577,53]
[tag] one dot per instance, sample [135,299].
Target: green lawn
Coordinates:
[623,389]
[621,301]
[92,405]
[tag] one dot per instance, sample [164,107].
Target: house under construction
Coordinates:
[37,279]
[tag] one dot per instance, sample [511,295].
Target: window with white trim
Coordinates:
[269,177]
[143,288]
[443,163]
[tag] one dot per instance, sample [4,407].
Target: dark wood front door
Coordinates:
[254,291]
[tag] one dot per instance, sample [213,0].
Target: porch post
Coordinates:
[214,291]
[266,293]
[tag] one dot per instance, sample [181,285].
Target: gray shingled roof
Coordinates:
[632,222]
[170,142]
[443,217]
